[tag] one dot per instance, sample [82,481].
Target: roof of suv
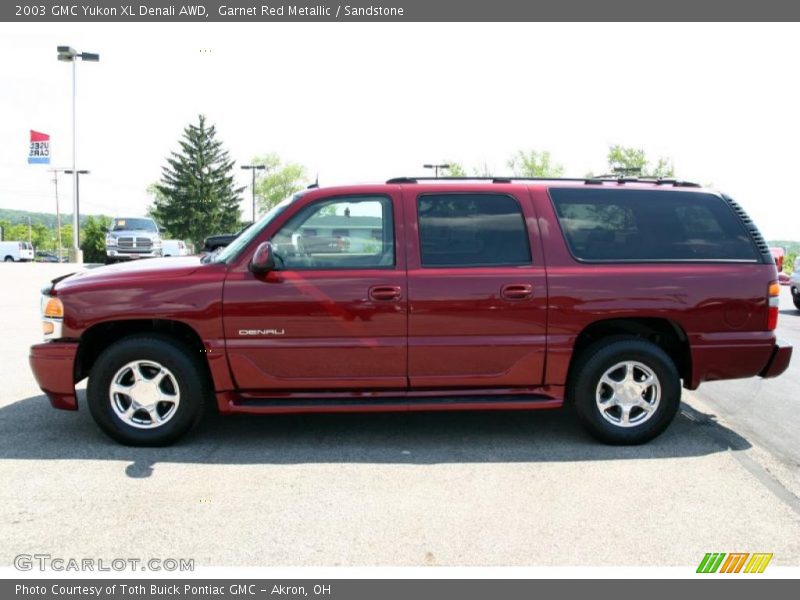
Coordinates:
[484,182]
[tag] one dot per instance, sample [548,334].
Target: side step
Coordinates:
[393,404]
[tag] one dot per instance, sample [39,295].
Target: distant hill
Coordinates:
[20,217]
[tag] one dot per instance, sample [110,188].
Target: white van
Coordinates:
[174,248]
[16,251]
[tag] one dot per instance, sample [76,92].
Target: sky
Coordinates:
[362,102]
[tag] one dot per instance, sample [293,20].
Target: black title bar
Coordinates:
[400,10]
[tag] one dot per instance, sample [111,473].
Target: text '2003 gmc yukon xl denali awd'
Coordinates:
[429,295]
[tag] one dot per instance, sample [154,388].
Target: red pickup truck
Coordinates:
[437,295]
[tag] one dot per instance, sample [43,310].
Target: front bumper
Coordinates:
[778,362]
[53,366]
[128,255]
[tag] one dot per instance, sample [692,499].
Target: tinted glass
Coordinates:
[472,230]
[610,225]
[338,234]
[134,225]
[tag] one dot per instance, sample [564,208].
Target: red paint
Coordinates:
[399,338]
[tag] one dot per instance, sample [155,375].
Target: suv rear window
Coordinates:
[644,225]
[472,230]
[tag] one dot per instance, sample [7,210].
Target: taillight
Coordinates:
[773,299]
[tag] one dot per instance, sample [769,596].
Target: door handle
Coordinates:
[517,291]
[385,292]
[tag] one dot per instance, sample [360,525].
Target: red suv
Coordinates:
[443,295]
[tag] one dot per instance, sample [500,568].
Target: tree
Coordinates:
[196,195]
[625,160]
[94,238]
[455,169]
[534,164]
[279,180]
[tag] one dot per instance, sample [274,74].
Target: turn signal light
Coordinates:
[48,328]
[773,300]
[54,309]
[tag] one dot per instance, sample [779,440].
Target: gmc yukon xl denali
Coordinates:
[610,295]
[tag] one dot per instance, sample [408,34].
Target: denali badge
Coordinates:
[261,331]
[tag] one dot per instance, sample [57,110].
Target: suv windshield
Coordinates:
[135,225]
[236,246]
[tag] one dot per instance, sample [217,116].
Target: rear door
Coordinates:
[477,288]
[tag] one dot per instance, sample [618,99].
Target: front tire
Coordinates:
[147,390]
[625,390]
[796,298]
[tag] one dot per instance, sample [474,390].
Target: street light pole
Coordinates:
[254,168]
[436,168]
[68,54]
[76,176]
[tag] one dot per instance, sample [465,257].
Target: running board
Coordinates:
[392,404]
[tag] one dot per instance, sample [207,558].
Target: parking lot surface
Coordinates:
[405,489]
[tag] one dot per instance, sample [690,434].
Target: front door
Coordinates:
[477,290]
[333,314]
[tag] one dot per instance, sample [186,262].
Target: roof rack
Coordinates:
[600,179]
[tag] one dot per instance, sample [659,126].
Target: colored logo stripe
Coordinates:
[713,562]
[758,563]
[734,562]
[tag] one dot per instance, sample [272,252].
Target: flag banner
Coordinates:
[40,148]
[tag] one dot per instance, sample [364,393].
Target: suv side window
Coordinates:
[472,230]
[648,225]
[338,233]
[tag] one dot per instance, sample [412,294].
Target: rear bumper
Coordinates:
[778,362]
[53,366]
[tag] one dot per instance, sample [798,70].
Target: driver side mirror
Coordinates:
[263,260]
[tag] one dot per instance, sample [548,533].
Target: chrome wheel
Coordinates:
[628,394]
[144,394]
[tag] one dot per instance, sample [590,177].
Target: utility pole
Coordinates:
[58,213]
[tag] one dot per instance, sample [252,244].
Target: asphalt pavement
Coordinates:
[487,488]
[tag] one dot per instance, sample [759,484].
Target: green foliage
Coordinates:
[788,261]
[196,196]
[534,164]
[94,239]
[625,160]
[279,181]
[456,169]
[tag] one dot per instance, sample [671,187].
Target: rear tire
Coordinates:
[625,390]
[796,298]
[8,259]
[148,390]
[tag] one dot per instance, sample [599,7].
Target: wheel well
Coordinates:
[98,337]
[666,334]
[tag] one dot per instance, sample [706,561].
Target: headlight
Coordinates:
[52,317]
[111,240]
[156,243]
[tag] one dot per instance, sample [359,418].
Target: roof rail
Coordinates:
[600,179]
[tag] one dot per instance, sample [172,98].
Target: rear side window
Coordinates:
[644,225]
[472,230]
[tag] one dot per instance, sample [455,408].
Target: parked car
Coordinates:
[174,248]
[794,283]
[47,257]
[610,295]
[132,238]
[215,242]
[16,251]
